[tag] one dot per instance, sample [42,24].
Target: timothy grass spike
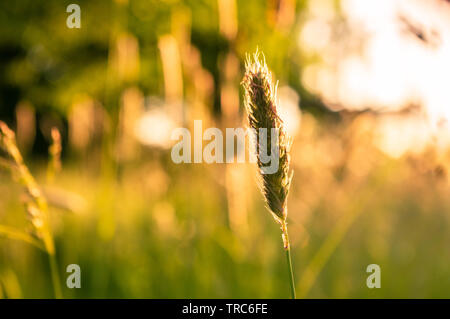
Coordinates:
[261,105]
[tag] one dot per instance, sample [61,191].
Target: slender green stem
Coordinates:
[50,248]
[55,276]
[291,273]
[287,249]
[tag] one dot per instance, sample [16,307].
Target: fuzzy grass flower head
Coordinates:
[261,105]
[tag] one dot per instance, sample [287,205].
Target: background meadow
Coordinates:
[362,87]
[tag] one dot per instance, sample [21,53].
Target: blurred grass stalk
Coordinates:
[37,207]
[330,244]
[12,233]
[54,164]
[261,105]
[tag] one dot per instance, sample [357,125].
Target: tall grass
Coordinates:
[261,105]
[36,205]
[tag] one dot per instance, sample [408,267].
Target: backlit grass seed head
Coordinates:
[261,104]
[7,139]
[37,205]
[8,143]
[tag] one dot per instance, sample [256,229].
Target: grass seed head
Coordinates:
[261,105]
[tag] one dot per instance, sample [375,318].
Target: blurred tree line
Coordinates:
[47,65]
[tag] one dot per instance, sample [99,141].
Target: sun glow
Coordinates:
[387,56]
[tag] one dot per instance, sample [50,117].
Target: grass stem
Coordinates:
[55,276]
[287,248]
